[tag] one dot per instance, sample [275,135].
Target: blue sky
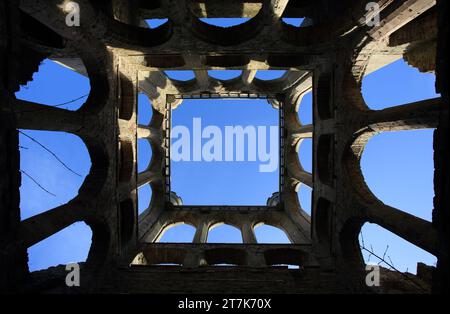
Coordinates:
[222,182]
[397,166]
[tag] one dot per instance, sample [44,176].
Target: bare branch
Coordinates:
[37,183]
[385,251]
[52,153]
[390,260]
[390,264]
[384,255]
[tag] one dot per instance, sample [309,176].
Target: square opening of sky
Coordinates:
[215,179]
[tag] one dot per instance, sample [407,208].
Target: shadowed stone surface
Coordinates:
[121,56]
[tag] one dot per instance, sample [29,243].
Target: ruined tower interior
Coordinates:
[335,47]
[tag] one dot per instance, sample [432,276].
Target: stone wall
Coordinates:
[122,57]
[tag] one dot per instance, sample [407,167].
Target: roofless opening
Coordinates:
[224,74]
[222,145]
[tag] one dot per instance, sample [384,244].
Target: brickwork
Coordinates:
[329,55]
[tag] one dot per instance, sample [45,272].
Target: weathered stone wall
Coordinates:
[330,57]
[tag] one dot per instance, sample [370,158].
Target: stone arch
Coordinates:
[277,234]
[183,235]
[236,233]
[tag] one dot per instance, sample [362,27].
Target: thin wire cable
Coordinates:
[52,153]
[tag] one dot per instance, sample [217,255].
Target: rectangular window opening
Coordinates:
[223,151]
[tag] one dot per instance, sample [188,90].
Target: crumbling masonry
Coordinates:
[329,54]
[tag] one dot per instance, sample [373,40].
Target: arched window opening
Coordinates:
[56,85]
[127,220]
[228,257]
[267,75]
[144,198]
[294,21]
[270,234]
[145,109]
[54,165]
[398,168]
[144,154]
[397,84]
[285,258]
[397,253]
[70,245]
[237,12]
[155,23]
[224,265]
[136,23]
[224,21]
[178,233]
[35,31]
[240,140]
[223,233]
[180,75]
[305,154]
[305,197]
[224,74]
[288,266]
[305,112]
